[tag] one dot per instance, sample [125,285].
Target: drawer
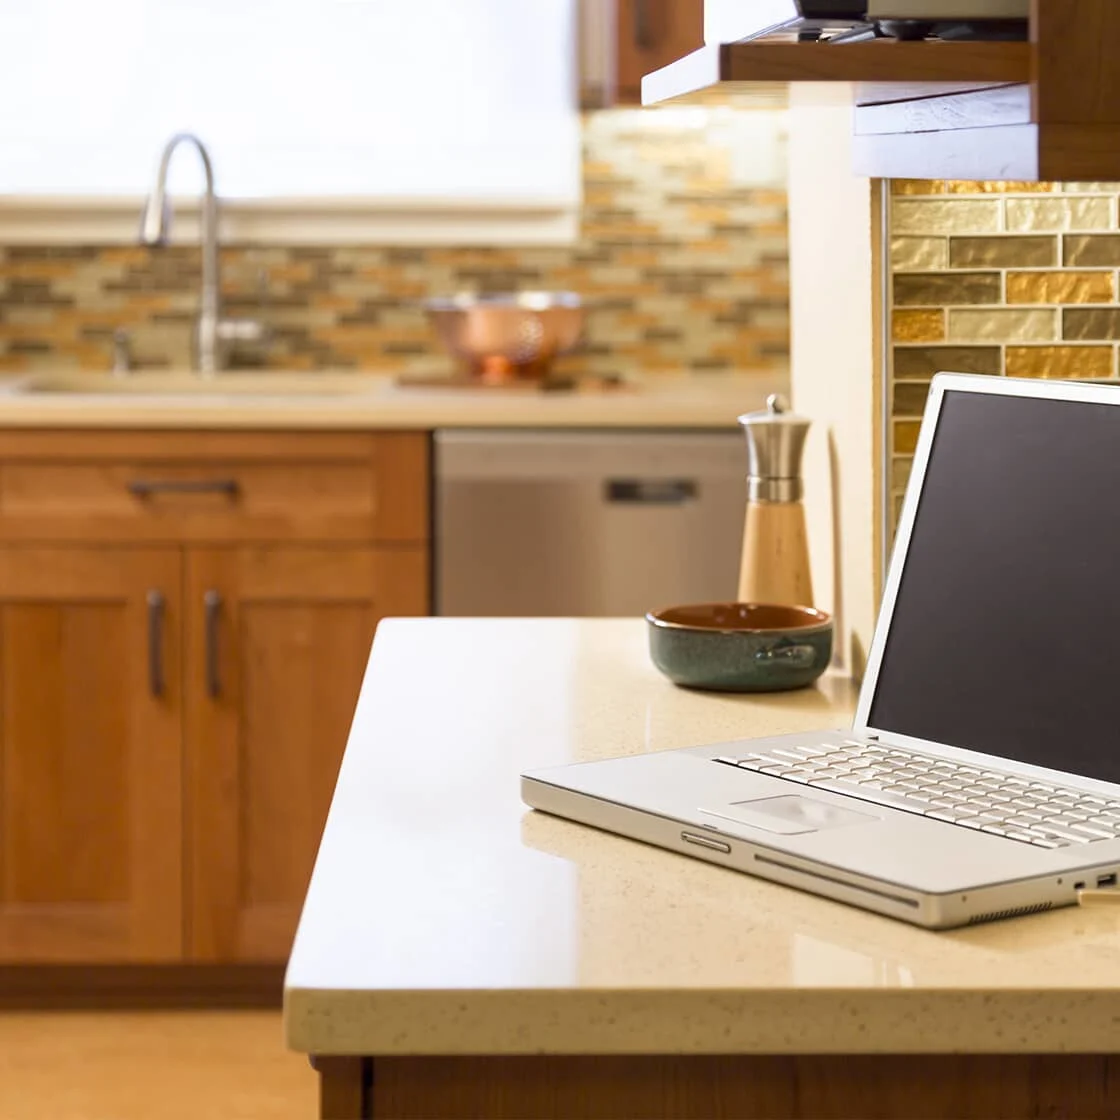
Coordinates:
[267,489]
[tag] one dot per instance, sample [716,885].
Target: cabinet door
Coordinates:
[651,34]
[277,642]
[90,755]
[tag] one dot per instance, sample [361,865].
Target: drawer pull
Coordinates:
[155,642]
[212,601]
[145,488]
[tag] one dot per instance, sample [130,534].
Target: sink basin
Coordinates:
[271,385]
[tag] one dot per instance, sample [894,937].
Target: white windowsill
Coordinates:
[62,220]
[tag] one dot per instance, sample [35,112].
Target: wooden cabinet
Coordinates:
[651,34]
[91,752]
[184,623]
[621,40]
[277,639]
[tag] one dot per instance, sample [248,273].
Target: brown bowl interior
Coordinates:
[739,616]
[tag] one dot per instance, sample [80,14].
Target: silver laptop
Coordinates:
[981,776]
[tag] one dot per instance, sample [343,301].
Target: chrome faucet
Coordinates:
[155,229]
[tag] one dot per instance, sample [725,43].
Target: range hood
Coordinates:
[731,21]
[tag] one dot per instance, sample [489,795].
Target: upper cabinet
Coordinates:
[652,34]
[623,40]
[1047,109]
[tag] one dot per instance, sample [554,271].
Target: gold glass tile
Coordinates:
[917,186]
[1060,287]
[922,362]
[1091,188]
[1027,215]
[918,326]
[1091,323]
[967,186]
[906,436]
[944,216]
[1003,252]
[900,471]
[1003,325]
[1059,361]
[997,186]
[1092,250]
[919,254]
[940,289]
[909,398]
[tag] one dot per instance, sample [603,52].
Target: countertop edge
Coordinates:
[828,1021]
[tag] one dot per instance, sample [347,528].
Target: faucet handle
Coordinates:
[122,352]
[243,330]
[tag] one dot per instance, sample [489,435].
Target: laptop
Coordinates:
[980,778]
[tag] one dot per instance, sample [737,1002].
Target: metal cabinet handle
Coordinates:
[145,487]
[644,38]
[156,604]
[212,601]
[651,492]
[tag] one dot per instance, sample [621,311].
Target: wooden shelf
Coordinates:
[1048,109]
[924,69]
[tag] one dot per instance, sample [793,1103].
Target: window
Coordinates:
[390,107]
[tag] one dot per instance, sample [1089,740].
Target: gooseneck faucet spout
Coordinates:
[155,229]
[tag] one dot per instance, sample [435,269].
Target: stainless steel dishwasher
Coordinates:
[586,523]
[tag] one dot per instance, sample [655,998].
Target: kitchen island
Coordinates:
[459,955]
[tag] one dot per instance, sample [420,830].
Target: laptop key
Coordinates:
[797,754]
[1065,833]
[879,797]
[1093,830]
[1066,819]
[978,822]
[1047,842]
[952,816]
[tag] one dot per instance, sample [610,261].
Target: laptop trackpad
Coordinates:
[789,815]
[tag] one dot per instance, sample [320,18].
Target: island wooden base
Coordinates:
[926,1087]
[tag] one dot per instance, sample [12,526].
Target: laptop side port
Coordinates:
[1106,880]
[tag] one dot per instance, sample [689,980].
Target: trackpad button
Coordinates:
[789,815]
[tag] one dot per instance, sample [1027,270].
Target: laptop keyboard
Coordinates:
[1038,813]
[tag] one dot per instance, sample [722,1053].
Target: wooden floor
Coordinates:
[189,1065]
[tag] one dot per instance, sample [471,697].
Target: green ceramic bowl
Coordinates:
[740,647]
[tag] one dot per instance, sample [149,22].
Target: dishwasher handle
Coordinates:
[651,491]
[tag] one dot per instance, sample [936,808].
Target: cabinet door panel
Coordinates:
[274,667]
[651,34]
[90,759]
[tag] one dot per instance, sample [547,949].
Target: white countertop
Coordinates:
[444,917]
[693,402]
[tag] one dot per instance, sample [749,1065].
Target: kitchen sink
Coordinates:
[271,385]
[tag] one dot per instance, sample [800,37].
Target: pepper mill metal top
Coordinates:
[775,443]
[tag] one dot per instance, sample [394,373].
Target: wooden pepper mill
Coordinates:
[775,565]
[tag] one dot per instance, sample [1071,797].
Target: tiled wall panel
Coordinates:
[682,258]
[1015,279]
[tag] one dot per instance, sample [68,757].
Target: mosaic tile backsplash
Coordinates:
[682,259]
[1015,279]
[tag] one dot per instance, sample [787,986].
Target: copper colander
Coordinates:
[510,336]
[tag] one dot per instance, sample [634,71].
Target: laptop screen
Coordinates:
[1005,636]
